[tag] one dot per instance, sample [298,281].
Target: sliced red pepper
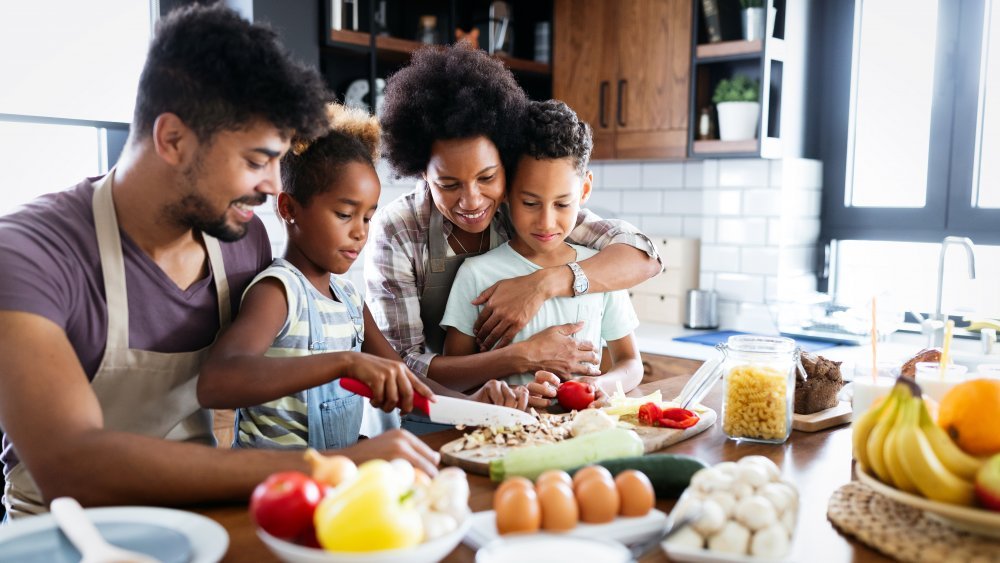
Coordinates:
[650,414]
[677,418]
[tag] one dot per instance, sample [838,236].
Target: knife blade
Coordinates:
[449,410]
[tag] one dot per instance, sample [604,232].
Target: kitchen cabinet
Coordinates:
[624,66]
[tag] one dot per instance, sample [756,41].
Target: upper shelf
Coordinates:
[739,50]
[404,47]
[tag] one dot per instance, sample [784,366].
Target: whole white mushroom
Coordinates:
[727,467]
[756,513]
[686,505]
[726,499]
[788,520]
[753,474]
[710,479]
[742,490]
[732,538]
[780,494]
[712,519]
[771,542]
[773,472]
[687,537]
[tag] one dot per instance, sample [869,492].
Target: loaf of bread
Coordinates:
[909,369]
[818,389]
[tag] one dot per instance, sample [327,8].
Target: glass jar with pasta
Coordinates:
[758,376]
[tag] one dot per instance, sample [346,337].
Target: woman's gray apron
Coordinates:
[142,392]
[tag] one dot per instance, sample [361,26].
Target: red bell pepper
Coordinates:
[677,418]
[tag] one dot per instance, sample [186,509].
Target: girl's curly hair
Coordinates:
[310,166]
[455,92]
[553,131]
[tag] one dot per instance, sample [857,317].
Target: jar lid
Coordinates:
[760,344]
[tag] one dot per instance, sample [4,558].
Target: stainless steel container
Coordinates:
[702,309]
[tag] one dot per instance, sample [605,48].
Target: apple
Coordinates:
[988,483]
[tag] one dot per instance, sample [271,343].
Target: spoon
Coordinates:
[87,539]
[642,549]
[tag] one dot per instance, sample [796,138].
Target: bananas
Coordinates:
[899,443]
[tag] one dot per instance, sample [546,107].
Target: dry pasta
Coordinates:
[756,403]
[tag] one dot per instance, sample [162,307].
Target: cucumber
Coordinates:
[670,474]
[583,450]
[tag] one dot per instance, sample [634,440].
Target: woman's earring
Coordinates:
[291,221]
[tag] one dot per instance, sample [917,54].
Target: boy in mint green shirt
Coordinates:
[549,185]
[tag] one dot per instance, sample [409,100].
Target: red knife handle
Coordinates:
[357,386]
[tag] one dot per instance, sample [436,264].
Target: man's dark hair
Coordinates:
[456,92]
[553,131]
[216,71]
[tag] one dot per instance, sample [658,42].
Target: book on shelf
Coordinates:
[710,10]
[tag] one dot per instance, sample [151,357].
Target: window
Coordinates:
[912,93]
[69,75]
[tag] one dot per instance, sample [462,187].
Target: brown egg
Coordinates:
[589,472]
[636,493]
[515,482]
[559,509]
[517,510]
[556,475]
[598,500]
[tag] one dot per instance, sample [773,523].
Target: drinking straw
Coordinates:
[874,343]
[948,327]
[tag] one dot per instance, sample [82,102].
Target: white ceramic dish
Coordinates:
[552,548]
[622,530]
[209,540]
[427,552]
[965,518]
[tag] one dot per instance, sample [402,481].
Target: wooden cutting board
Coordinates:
[828,418]
[653,439]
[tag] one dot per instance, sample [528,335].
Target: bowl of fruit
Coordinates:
[379,511]
[941,466]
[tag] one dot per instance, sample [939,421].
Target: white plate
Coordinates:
[624,530]
[552,548]
[427,552]
[965,518]
[209,540]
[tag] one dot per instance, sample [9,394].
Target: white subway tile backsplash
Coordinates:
[642,201]
[692,227]
[743,173]
[597,169]
[796,260]
[774,232]
[694,174]
[716,258]
[767,203]
[740,287]
[760,260]
[624,175]
[391,193]
[663,175]
[749,232]
[728,312]
[722,202]
[800,202]
[667,225]
[706,280]
[708,230]
[800,173]
[755,318]
[710,173]
[605,202]
[632,219]
[771,289]
[799,231]
[684,202]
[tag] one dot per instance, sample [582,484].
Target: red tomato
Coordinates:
[650,414]
[283,505]
[575,395]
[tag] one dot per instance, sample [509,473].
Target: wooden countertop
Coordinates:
[818,463]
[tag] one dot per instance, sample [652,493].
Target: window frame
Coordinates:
[955,112]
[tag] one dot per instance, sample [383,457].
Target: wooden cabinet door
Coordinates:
[651,89]
[584,66]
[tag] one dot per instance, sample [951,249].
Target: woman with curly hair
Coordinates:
[454,117]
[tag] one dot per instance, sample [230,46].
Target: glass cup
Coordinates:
[935,384]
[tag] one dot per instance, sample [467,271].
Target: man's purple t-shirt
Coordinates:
[50,266]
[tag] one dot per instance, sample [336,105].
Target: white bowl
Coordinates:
[552,548]
[427,552]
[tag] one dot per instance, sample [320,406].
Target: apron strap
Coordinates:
[437,241]
[218,269]
[109,244]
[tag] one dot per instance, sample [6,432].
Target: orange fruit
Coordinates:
[970,413]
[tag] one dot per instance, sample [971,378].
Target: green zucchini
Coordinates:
[670,474]
[530,462]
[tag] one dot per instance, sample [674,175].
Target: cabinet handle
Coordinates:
[602,101]
[620,113]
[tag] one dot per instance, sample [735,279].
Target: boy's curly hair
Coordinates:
[216,71]
[455,92]
[311,167]
[553,131]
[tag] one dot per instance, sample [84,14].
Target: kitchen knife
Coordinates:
[448,410]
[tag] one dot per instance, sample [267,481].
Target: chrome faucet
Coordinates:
[933,327]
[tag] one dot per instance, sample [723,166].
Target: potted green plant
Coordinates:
[737,101]
[753,19]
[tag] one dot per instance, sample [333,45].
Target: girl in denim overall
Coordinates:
[307,320]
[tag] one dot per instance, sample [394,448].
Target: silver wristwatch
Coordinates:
[581,284]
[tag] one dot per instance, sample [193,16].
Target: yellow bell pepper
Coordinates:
[369,512]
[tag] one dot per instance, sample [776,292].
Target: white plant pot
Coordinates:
[738,120]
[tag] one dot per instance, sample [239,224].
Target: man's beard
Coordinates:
[194,211]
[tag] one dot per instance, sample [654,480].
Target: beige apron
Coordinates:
[142,392]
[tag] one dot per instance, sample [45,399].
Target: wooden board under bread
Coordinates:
[653,439]
[828,418]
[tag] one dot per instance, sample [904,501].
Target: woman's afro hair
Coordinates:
[455,92]
[554,131]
